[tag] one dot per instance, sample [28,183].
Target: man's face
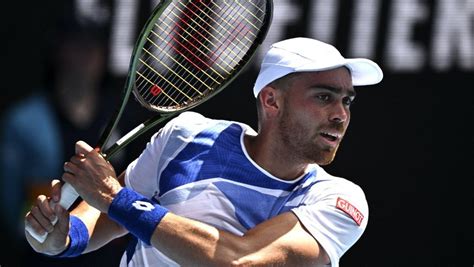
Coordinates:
[315,114]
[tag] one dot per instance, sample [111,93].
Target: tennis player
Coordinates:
[208,192]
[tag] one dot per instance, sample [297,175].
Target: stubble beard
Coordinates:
[301,142]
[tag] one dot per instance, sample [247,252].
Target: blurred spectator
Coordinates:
[38,132]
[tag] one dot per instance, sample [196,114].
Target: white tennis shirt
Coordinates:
[198,168]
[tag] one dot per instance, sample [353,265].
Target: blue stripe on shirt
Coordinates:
[217,152]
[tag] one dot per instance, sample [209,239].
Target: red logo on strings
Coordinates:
[352,211]
[155,90]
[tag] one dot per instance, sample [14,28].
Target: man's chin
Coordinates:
[324,163]
[326,158]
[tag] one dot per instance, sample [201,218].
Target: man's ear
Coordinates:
[269,99]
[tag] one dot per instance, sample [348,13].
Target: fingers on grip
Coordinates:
[83,148]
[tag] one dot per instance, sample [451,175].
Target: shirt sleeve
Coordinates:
[140,173]
[335,213]
[143,174]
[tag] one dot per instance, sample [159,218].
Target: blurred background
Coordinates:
[409,145]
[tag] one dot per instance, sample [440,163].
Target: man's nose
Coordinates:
[339,113]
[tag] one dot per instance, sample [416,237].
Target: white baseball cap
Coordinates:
[305,54]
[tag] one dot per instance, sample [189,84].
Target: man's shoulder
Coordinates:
[187,123]
[333,193]
[189,119]
[190,122]
[332,184]
[325,176]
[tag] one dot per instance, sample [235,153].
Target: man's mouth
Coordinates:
[331,136]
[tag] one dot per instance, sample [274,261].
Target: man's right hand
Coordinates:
[47,216]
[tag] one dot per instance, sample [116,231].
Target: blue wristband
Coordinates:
[137,213]
[78,238]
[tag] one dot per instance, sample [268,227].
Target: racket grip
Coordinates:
[68,197]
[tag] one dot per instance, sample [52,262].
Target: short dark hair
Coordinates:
[285,81]
[281,83]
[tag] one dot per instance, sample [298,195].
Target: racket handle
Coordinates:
[68,197]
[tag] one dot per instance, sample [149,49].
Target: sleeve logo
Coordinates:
[352,211]
[143,205]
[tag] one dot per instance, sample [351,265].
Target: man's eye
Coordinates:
[348,101]
[323,97]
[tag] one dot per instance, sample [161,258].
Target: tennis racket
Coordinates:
[187,52]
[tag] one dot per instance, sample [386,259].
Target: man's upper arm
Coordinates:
[336,219]
[282,239]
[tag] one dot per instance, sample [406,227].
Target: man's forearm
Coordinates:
[191,242]
[280,241]
[101,229]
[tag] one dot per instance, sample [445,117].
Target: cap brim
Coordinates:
[364,71]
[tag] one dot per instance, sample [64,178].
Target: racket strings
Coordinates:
[201,20]
[199,42]
[180,90]
[204,59]
[192,49]
[200,34]
[228,24]
[231,13]
[183,77]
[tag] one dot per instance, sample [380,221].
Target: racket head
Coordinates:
[188,51]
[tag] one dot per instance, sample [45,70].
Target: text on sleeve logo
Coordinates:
[348,208]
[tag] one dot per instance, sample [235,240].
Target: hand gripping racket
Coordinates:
[187,52]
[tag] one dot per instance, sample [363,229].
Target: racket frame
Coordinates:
[69,194]
[163,114]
